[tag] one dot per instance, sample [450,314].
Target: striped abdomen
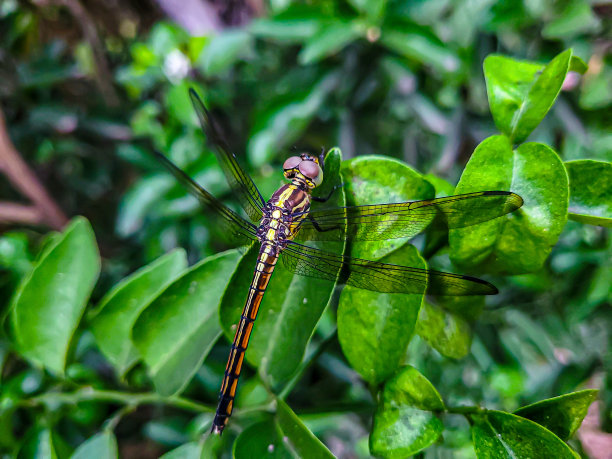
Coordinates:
[268,255]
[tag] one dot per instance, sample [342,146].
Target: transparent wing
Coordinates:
[406,219]
[235,228]
[377,276]
[240,182]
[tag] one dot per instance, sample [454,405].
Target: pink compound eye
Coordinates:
[310,169]
[292,162]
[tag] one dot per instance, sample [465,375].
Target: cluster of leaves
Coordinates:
[374,78]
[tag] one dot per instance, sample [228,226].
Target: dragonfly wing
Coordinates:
[377,276]
[240,182]
[235,228]
[406,219]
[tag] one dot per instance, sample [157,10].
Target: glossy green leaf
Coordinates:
[48,304]
[286,122]
[375,329]
[330,40]
[42,443]
[118,310]
[191,450]
[177,330]
[590,185]
[100,446]
[284,436]
[290,309]
[224,50]
[499,435]
[262,440]
[518,242]
[300,440]
[561,415]
[578,65]
[405,422]
[449,334]
[380,180]
[442,187]
[422,48]
[521,93]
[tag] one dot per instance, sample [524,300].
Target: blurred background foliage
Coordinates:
[87,87]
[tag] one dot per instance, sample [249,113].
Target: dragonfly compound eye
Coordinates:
[292,162]
[311,170]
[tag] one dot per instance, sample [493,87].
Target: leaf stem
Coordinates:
[133,399]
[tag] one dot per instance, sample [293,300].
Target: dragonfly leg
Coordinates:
[323,230]
[325,199]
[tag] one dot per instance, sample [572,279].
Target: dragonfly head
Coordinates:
[305,168]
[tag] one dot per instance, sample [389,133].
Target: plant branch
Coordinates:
[131,399]
[20,175]
[11,212]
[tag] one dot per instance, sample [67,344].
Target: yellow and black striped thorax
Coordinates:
[284,213]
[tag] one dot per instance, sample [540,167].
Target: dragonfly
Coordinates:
[283,223]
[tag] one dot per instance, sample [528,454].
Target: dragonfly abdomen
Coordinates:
[268,255]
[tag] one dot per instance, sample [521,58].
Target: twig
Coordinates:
[11,212]
[131,399]
[20,175]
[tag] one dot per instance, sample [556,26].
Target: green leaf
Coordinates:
[422,48]
[178,329]
[575,18]
[178,105]
[590,184]
[42,443]
[285,436]
[191,450]
[330,40]
[447,333]
[118,310]
[290,309]
[378,179]
[443,188]
[596,90]
[286,122]
[374,9]
[100,446]
[286,30]
[518,242]
[404,423]
[137,202]
[224,50]
[375,329]
[261,440]
[300,440]
[498,435]
[521,93]
[578,65]
[48,305]
[561,415]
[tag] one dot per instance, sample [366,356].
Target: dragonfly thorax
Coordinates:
[283,214]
